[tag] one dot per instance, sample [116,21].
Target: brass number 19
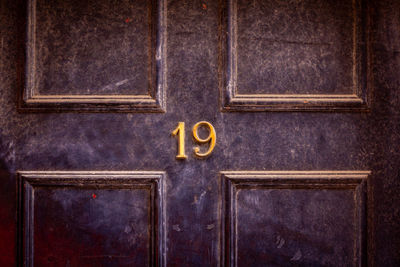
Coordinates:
[211,138]
[180,131]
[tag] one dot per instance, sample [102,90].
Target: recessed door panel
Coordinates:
[294,55]
[95,56]
[91,218]
[302,218]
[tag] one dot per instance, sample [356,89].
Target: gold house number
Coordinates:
[211,139]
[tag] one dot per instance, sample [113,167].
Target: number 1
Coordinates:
[180,131]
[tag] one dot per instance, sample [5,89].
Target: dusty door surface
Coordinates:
[303,97]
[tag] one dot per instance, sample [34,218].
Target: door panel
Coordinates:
[284,218]
[255,200]
[92,218]
[95,56]
[320,45]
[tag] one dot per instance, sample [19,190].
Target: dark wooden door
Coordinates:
[304,99]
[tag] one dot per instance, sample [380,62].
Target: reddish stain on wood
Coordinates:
[94,196]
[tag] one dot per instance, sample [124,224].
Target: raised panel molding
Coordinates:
[232,99]
[284,183]
[151,182]
[32,100]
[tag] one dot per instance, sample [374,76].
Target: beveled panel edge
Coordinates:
[27,180]
[231,101]
[154,102]
[350,180]
[328,103]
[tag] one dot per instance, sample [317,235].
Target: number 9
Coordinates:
[211,138]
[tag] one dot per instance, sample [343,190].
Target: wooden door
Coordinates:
[302,95]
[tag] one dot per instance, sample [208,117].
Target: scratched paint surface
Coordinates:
[311,40]
[306,227]
[246,141]
[92,47]
[98,227]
